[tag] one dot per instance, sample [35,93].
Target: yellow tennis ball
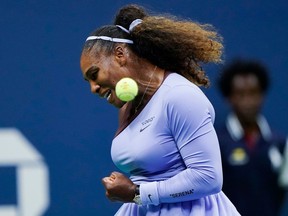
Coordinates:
[126,89]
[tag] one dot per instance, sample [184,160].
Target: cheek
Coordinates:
[258,102]
[111,76]
[114,82]
[253,102]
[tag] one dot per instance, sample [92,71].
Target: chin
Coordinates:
[119,104]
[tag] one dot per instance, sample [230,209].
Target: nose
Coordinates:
[94,87]
[251,100]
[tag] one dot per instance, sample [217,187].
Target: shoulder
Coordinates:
[179,95]
[179,90]
[177,87]
[279,140]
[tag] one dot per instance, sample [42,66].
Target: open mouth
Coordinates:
[107,95]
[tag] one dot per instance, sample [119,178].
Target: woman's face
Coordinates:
[103,72]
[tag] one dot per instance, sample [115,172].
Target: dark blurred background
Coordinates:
[43,94]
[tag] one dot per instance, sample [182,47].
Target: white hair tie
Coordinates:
[119,40]
[124,29]
[134,24]
[131,27]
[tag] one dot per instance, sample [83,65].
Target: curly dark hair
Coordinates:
[239,66]
[172,44]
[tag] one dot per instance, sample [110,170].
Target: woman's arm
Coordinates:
[190,118]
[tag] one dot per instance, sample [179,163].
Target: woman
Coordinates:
[166,141]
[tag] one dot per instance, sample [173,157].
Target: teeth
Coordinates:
[107,95]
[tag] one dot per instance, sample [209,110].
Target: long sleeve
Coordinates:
[190,119]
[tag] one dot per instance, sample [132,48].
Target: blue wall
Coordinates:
[44,95]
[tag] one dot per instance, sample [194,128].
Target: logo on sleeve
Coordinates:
[149,196]
[181,194]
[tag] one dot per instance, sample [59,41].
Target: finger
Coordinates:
[106,180]
[115,174]
[112,199]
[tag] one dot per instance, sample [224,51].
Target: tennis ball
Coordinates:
[126,89]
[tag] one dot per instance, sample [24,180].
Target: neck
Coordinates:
[250,126]
[148,83]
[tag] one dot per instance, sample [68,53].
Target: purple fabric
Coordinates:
[171,150]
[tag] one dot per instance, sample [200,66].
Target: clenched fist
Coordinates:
[119,187]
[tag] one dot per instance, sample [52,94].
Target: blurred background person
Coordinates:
[252,153]
[283,180]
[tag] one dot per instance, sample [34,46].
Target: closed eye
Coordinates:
[91,73]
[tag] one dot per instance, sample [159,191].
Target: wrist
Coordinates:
[137,197]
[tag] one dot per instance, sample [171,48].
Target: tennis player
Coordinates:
[166,142]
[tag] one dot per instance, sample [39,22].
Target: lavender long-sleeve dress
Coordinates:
[171,150]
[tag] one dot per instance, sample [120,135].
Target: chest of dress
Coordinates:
[146,145]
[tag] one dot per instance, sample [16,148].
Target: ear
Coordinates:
[120,54]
